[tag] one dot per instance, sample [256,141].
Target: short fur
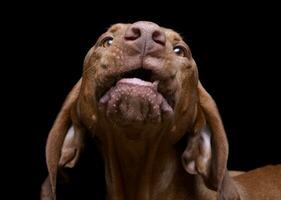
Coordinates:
[145,160]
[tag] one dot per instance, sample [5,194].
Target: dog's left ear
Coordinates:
[207,149]
[64,140]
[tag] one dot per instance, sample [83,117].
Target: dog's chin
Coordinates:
[132,101]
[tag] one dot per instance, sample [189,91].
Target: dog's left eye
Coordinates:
[180,51]
[107,42]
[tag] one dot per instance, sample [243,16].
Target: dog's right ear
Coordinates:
[65,139]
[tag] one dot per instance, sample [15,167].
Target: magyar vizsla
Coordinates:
[160,133]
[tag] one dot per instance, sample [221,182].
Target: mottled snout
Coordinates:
[145,38]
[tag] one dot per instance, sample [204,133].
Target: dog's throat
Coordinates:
[129,163]
[133,101]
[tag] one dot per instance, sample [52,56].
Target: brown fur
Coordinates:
[144,160]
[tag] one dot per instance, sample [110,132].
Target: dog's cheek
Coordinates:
[186,95]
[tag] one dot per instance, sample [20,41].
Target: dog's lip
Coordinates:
[128,78]
[139,82]
[132,82]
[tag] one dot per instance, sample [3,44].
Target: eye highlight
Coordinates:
[107,42]
[180,51]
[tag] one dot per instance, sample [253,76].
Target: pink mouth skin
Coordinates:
[139,82]
[135,100]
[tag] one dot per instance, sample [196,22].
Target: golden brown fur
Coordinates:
[142,149]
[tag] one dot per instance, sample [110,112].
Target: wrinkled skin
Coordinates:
[159,132]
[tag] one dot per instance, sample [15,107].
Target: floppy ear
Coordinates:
[207,149]
[71,148]
[65,139]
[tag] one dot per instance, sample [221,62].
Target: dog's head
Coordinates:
[142,77]
[139,74]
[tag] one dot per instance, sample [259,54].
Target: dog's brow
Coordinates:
[172,35]
[176,37]
[114,28]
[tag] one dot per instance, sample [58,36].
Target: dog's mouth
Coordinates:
[137,95]
[140,73]
[140,77]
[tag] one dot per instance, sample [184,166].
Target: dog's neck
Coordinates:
[143,165]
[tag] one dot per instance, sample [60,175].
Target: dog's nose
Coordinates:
[145,37]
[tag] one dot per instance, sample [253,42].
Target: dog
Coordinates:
[159,132]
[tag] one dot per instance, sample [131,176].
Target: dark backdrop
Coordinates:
[236,47]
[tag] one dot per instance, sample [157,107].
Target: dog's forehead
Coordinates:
[170,34]
[118,27]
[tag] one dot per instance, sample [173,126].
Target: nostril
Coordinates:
[133,33]
[159,37]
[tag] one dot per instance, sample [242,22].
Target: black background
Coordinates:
[236,47]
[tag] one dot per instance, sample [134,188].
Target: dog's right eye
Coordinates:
[180,51]
[107,42]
